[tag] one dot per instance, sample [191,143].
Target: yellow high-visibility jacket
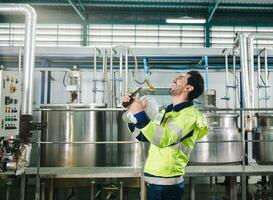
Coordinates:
[168,155]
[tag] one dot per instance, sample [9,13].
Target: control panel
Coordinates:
[10,103]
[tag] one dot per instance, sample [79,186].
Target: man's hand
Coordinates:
[137,105]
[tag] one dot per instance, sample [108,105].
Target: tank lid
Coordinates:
[67,106]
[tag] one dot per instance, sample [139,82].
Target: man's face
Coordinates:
[180,85]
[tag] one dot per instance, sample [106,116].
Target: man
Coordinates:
[171,136]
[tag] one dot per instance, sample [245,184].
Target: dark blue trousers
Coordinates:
[165,192]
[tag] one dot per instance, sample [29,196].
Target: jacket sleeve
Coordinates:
[202,126]
[137,133]
[164,135]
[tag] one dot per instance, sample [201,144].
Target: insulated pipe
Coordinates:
[207,72]
[226,79]
[94,76]
[126,70]
[234,81]
[266,75]
[29,50]
[250,59]
[104,72]
[244,71]
[120,76]
[258,79]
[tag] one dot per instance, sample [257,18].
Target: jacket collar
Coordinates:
[179,106]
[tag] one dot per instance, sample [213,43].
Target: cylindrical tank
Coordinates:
[131,154]
[73,125]
[262,151]
[222,127]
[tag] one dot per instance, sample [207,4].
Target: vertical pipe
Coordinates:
[94,76]
[244,94]
[226,79]
[37,192]
[23,187]
[121,190]
[43,191]
[258,79]
[250,55]
[92,190]
[121,80]
[104,72]
[48,87]
[126,71]
[192,188]
[234,82]
[42,94]
[8,185]
[20,63]
[266,75]
[207,73]
[51,189]
[143,189]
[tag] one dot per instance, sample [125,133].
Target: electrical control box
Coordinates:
[10,103]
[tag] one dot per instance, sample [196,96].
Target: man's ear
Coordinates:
[189,88]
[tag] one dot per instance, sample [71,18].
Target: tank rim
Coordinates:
[264,114]
[92,105]
[221,115]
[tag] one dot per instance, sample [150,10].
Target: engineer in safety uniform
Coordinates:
[171,136]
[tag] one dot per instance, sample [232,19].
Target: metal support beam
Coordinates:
[79,8]
[85,33]
[212,10]
[207,35]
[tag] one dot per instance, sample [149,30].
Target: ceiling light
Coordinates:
[186,20]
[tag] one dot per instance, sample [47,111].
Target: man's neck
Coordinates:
[178,99]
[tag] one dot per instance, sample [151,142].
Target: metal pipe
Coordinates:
[258,79]
[23,187]
[92,190]
[250,58]
[226,79]
[38,186]
[94,76]
[234,82]
[104,74]
[29,50]
[126,70]
[120,76]
[121,190]
[266,79]
[207,72]
[243,62]
[20,64]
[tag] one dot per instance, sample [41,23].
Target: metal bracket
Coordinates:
[38,126]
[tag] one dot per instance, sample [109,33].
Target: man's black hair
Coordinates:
[196,80]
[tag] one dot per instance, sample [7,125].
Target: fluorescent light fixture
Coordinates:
[186,20]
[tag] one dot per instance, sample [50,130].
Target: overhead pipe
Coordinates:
[29,50]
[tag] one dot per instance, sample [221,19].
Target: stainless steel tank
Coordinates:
[132,154]
[262,151]
[222,127]
[73,125]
